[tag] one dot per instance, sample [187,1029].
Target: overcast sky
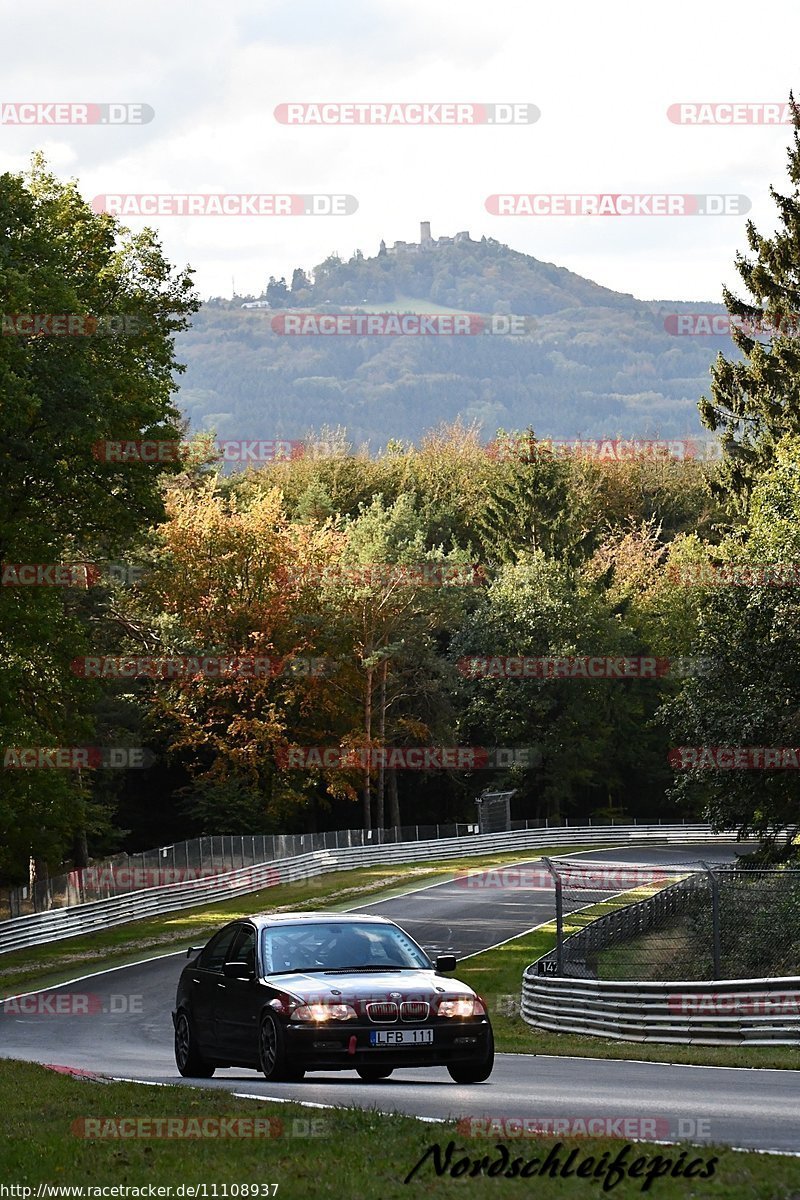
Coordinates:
[603,77]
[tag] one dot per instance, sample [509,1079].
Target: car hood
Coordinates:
[343,986]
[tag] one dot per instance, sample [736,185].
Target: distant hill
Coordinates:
[594,362]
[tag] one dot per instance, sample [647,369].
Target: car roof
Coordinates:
[262,920]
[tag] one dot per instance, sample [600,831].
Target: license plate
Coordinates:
[400,1037]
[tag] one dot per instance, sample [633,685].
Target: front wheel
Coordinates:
[373,1074]
[188,1058]
[477,1071]
[272,1056]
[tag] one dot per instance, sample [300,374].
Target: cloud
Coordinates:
[603,79]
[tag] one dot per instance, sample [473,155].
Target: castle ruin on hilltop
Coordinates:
[426,243]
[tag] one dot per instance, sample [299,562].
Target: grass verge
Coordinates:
[354,1152]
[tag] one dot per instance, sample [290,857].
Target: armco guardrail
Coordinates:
[718,1013]
[56,924]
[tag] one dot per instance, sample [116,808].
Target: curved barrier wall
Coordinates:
[723,1012]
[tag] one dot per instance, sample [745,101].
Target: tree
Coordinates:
[749,635]
[236,579]
[588,735]
[277,292]
[62,396]
[756,401]
[300,281]
[528,505]
[386,615]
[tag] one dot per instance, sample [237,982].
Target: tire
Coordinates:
[272,1057]
[477,1071]
[373,1074]
[188,1058]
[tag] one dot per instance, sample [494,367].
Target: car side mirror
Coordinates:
[237,970]
[193,950]
[446,962]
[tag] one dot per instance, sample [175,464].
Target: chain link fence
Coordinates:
[691,922]
[198,858]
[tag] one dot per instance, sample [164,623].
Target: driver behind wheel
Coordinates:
[348,949]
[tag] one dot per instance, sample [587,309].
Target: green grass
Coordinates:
[355,1154]
[58,962]
[661,954]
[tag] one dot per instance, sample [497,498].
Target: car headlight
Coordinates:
[324,1012]
[461,1006]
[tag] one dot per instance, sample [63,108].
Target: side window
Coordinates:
[244,947]
[214,954]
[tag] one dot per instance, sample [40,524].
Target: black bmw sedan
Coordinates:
[298,992]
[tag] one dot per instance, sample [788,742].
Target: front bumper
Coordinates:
[333,1045]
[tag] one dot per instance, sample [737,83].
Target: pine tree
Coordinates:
[277,292]
[300,281]
[755,401]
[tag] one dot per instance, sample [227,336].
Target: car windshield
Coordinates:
[339,946]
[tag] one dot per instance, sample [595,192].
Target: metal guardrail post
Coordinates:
[715,934]
[559,916]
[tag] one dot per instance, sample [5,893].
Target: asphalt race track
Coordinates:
[118,1023]
[452,918]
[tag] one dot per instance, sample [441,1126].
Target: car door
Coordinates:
[203,983]
[237,1002]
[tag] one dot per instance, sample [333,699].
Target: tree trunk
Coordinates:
[394,805]
[40,885]
[80,851]
[368,731]
[381,821]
